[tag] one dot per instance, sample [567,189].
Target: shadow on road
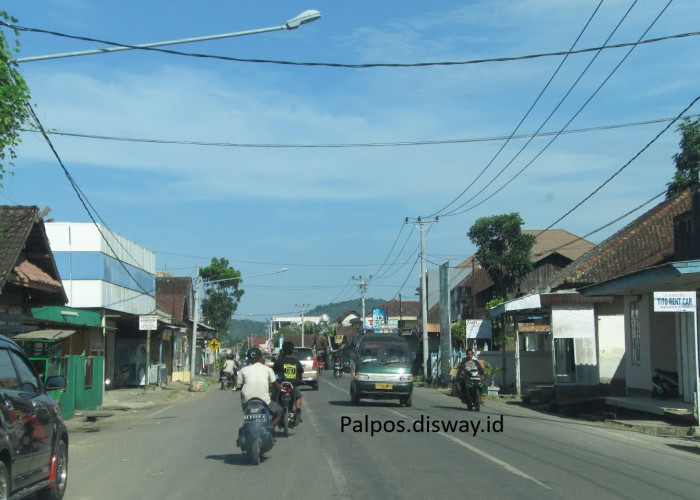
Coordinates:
[689,449]
[232,458]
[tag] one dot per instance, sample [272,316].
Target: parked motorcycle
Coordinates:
[664,385]
[286,399]
[472,388]
[256,436]
[337,369]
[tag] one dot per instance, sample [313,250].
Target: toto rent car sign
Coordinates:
[674,301]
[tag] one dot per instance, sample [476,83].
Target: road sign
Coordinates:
[148,322]
[214,344]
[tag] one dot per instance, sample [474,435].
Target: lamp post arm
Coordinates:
[147,45]
[305,17]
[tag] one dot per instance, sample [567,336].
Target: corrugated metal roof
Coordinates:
[44,335]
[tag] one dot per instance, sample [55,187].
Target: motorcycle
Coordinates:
[228,380]
[256,436]
[337,369]
[472,388]
[664,384]
[286,399]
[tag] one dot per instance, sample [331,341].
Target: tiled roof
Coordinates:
[173,295]
[25,254]
[405,308]
[343,316]
[26,273]
[559,241]
[15,225]
[640,244]
[548,242]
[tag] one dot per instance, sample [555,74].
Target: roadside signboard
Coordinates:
[214,344]
[148,322]
[674,302]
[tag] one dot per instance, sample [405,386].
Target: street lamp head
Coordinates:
[308,16]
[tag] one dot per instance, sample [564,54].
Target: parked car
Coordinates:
[33,437]
[306,356]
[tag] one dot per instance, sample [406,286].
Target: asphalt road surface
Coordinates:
[187,450]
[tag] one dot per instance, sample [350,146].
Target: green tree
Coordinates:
[688,160]
[503,250]
[14,99]
[222,293]
[459,333]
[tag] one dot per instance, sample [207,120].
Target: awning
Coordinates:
[44,335]
[68,315]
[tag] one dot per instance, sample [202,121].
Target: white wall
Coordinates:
[611,342]
[86,237]
[87,288]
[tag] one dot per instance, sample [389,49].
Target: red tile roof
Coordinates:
[27,274]
[640,244]
[25,253]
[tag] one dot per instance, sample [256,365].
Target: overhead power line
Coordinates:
[85,202]
[437,142]
[350,66]
[454,211]
[522,120]
[623,166]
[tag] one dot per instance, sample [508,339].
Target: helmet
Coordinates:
[229,356]
[254,354]
[288,347]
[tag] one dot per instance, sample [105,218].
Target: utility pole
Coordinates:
[423,288]
[363,291]
[195,319]
[302,306]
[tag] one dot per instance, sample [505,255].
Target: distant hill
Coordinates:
[242,328]
[337,308]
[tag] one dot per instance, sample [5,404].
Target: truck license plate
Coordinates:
[383,386]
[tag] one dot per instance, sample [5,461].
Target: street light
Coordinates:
[195,312]
[284,269]
[305,17]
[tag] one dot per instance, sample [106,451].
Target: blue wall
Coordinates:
[98,266]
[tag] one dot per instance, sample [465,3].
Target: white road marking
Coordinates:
[339,479]
[161,410]
[481,453]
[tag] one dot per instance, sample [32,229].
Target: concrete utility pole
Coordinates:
[195,319]
[363,291]
[423,288]
[302,306]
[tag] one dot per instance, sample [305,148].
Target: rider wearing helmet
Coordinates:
[255,380]
[229,370]
[288,368]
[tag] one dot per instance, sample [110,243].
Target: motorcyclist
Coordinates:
[254,381]
[466,366]
[337,362]
[289,369]
[229,369]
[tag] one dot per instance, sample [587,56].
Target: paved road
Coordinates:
[186,450]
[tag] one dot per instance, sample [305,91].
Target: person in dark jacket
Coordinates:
[288,368]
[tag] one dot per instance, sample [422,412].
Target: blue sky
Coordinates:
[331,213]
